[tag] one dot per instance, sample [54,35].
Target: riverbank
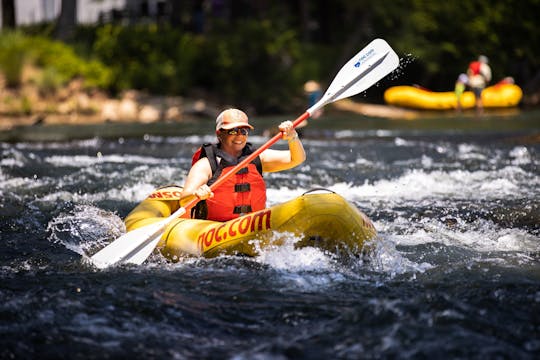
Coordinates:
[80,107]
[524,123]
[25,114]
[128,111]
[74,104]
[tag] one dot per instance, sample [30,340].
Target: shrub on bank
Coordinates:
[57,63]
[257,65]
[14,52]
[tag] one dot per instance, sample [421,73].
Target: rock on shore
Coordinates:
[74,105]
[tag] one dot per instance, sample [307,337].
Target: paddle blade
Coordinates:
[133,247]
[362,71]
[138,257]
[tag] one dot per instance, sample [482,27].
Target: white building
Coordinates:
[88,11]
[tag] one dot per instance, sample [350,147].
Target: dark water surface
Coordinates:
[455,272]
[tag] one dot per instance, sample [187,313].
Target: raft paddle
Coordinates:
[361,72]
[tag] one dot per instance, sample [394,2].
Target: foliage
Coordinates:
[246,68]
[60,59]
[260,72]
[58,62]
[14,51]
[148,57]
[262,54]
[445,36]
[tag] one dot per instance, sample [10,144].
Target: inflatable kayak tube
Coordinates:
[324,220]
[497,96]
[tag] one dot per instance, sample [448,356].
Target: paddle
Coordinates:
[361,72]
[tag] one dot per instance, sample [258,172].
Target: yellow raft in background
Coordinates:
[496,96]
[324,220]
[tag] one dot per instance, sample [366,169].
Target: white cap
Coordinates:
[232,118]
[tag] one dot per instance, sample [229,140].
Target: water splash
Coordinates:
[404,61]
[286,256]
[85,229]
[386,258]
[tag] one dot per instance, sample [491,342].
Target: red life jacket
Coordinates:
[474,67]
[241,193]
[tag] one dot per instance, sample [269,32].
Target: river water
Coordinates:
[455,272]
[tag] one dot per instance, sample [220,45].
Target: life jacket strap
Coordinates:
[242,209]
[246,187]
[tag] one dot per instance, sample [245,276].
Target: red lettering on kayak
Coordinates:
[244,225]
[168,195]
[218,238]
[259,219]
[367,222]
[232,232]
[209,237]
[200,241]
[247,224]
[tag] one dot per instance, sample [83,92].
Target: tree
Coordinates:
[65,26]
[8,14]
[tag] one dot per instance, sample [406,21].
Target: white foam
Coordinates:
[387,259]
[86,160]
[86,143]
[521,156]
[470,152]
[85,228]
[277,196]
[480,235]
[457,184]
[287,257]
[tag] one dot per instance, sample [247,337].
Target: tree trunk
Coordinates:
[8,14]
[65,25]
[176,8]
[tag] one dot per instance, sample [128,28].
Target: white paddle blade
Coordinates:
[127,246]
[362,71]
[142,254]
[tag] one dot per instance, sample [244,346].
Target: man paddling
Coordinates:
[245,191]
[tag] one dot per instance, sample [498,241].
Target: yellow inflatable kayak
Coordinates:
[325,220]
[496,96]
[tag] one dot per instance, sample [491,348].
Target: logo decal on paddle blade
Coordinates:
[364,57]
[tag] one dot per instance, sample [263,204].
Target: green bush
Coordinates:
[13,54]
[262,64]
[158,59]
[61,61]
[58,62]
[257,65]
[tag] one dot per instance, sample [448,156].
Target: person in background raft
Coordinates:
[245,191]
[459,88]
[314,92]
[479,74]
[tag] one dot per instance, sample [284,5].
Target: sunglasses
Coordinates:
[236,131]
